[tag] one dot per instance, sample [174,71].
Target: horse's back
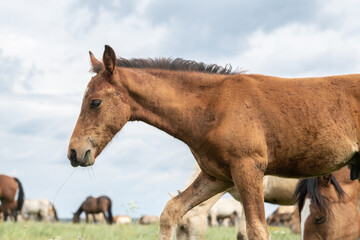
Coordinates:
[298,121]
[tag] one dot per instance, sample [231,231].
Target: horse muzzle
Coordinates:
[80,153]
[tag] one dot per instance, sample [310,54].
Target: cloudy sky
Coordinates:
[44,69]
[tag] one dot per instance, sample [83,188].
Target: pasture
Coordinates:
[61,231]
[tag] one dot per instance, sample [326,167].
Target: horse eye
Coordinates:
[95,103]
[319,220]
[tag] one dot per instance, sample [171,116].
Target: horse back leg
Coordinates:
[247,174]
[199,191]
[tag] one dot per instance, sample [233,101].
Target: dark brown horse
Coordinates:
[92,206]
[8,188]
[239,127]
[328,207]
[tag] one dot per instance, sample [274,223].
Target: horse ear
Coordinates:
[94,61]
[171,194]
[179,191]
[97,66]
[109,59]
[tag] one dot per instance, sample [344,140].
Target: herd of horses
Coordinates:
[43,209]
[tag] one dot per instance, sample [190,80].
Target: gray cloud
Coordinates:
[218,28]
[10,69]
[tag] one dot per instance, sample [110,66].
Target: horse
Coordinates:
[122,219]
[8,188]
[146,220]
[193,224]
[225,208]
[92,206]
[282,216]
[238,126]
[39,209]
[328,207]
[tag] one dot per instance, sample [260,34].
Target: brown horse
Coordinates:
[8,188]
[328,207]
[92,206]
[239,127]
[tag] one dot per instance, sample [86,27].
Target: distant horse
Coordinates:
[8,188]
[223,208]
[239,127]
[122,219]
[92,206]
[146,220]
[39,209]
[328,207]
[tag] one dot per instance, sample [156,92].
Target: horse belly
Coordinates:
[319,158]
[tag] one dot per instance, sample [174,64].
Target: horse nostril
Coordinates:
[73,155]
[87,154]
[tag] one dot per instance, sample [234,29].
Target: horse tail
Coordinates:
[111,219]
[21,195]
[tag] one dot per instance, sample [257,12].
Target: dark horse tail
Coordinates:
[111,219]
[21,195]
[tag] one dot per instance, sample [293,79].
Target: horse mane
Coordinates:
[177,64]
[310,187]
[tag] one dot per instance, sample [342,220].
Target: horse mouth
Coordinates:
[85,162]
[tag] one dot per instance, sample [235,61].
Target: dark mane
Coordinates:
[175,64]
[310,187]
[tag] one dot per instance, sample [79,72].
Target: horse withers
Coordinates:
[328,207]
[9,204]
[93,206]
[239,127]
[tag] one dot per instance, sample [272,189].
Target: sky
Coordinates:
[44,70]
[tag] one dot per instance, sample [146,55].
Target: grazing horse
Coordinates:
[40,209]
[122,219]
[225,208]
[8,188]
[146,220]
[328,207]
[92,206]
[239,127]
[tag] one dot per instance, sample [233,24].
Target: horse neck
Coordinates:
[173,101]
[79,211]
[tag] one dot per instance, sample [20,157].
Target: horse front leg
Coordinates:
[247,174]
[199,191]
[242,235]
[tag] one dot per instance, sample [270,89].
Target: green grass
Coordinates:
[68,231]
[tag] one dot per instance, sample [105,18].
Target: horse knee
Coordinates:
[171,214]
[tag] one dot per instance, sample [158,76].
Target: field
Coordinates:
[69,231]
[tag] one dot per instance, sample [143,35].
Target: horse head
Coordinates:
[104,112]
[328,206]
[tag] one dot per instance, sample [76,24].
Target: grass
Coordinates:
[68,231]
